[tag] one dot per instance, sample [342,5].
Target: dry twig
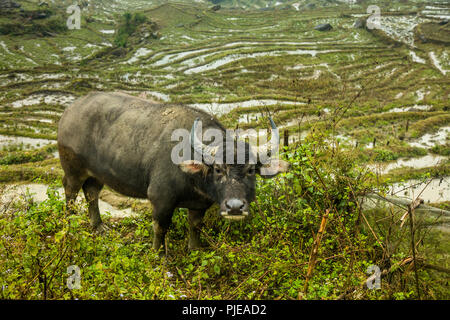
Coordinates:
[314,252]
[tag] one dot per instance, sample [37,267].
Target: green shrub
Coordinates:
[52,25]
[18,157]
[127,27]
[441,149]
[40,241]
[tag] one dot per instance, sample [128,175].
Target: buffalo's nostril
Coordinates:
[234,206]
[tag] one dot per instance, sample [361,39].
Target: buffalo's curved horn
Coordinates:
[274,140]
[207,151]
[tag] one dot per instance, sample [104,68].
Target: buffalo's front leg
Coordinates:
[195,220]
[162,217]
[159,234]
[163,196]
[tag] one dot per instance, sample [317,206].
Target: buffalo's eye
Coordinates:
[217,171]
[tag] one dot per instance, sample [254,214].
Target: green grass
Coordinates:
[264,258]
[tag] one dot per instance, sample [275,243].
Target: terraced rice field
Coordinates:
[386,87]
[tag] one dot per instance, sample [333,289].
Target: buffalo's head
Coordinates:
[229,170]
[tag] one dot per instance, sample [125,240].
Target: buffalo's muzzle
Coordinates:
[235,209]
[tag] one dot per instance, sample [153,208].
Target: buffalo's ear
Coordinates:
[273,167]
[192,166]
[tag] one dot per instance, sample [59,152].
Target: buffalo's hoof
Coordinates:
[197,246]
[161,252]
[101,228]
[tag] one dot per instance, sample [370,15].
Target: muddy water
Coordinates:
[24,142]
[437,63]
[141,52]
[177,56]
[161,96]
[236,57]
[412,108]
[400,28]
[249,117]
[64,100]
[441,12]
[429,140]
[222,108]
[438,190]
[38,192]
[416,58]
[416,163]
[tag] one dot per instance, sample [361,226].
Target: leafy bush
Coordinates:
[128,26]
[441,149]
[52,25]
[385,155]
[40,241]
[17,157]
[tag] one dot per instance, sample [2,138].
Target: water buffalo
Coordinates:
[125,142]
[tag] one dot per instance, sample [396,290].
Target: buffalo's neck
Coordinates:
[199,194]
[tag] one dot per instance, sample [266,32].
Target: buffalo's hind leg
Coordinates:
[91,189]
[74,175]
[71,187]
